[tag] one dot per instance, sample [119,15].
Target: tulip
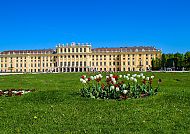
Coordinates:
[112,88]
[138,76]
[143,77]
[114,82]
[124,76]
[134,75]
[84,81]
[117,89]
[125,91]
[81,80]
[92,77]
[120,76]
[107,77]
[113,79]
[100,76]
[131,78]
[147,78]
[111,75]
[141,74]
[128,75]
[135,80]
[152,77]
[124,85]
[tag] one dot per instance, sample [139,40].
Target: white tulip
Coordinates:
[113,79]
[124,85]
[86,79]
[124,76]
[84,76]
[95,77]
[14,92]
[135,80]
[107,77]
[128,75]
[120,76]
[131,78]
[114,82]
[125,91]
[112,88]
[141,74]
[152,77]
[92,77]
[111,75]
[138,76]
[147,78]
[100,76]
[117,89]
[81,79]
[143,77]
[134,75]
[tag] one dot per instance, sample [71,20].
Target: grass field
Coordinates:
[57,107]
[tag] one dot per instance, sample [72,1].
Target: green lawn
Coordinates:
[57,107]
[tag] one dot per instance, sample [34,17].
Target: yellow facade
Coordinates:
[79,58]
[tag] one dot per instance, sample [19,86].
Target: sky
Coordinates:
[40,24]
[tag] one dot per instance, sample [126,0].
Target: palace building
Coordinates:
[76,57]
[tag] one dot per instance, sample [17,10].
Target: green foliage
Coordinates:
[178,61]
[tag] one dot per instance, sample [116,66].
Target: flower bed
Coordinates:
[14,92]
[118,86]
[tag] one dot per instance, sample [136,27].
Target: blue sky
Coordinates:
[38,24]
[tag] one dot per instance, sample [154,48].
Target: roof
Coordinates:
[27,51]
[126,49]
